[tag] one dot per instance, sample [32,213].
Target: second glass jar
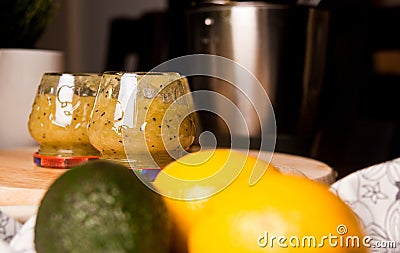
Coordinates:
[143,120]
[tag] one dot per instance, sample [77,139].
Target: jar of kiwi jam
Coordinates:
[142,119]
[59,118]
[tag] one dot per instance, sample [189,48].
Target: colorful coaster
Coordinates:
[59,162]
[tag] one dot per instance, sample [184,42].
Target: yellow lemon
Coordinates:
[282,213]
[191,183]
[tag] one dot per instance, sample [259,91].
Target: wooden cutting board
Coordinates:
[22,183]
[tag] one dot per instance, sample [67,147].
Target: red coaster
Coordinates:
[59,162]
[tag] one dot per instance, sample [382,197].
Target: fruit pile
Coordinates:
[205,204]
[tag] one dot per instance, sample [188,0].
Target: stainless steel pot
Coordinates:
[283,46]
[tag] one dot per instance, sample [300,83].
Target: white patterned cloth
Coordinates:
[373,194]
[8,227]
[23,241]
[15,237]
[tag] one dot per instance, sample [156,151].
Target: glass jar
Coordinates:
[59,118]
[143,120]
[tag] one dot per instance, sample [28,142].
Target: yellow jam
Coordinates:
[142,130]
[60,127]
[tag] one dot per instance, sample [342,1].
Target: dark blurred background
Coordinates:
[357,120]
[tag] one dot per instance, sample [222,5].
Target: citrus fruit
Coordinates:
[101,207]
[191,183]
[283,214]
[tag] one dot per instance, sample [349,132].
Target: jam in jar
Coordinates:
[144,120]
[59,118]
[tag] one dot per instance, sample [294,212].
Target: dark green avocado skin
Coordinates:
[101,207]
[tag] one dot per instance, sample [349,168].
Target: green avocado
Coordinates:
[101,207]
